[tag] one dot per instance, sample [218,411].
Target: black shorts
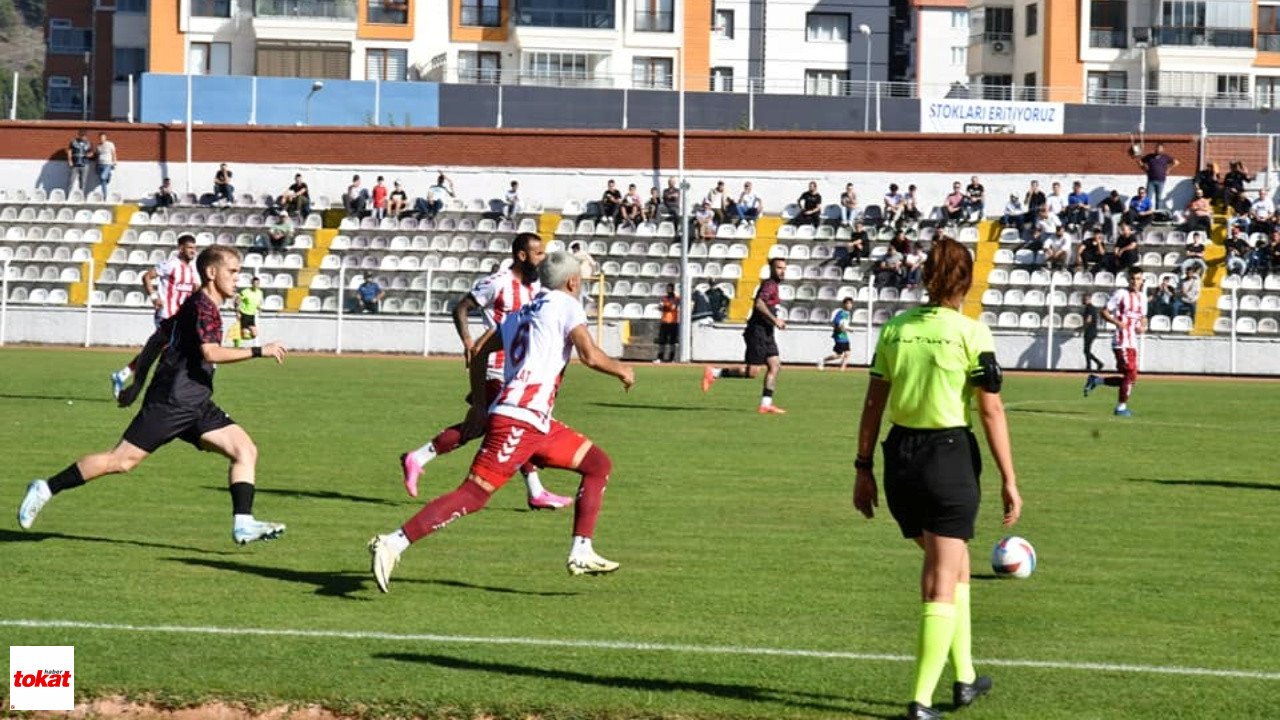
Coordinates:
[840,347]
[931,481]
[760,345]
[669,334]
[248,321]
[157,423]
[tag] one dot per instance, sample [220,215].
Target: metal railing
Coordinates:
[573,19]
[1269,42]
[1108,38]
[211,8]
[654,21]
[389,12]
[1204,36]
[326,9]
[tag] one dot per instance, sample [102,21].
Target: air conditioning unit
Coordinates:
[1000,47]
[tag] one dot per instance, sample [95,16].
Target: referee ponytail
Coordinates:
[948,272]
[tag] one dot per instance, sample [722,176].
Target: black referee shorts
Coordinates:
[248,321]
[931,481]
[760,345]
[158,423]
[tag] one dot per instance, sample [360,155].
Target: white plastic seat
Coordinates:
[1184,323]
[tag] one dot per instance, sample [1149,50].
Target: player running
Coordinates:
[841,324]
[176,277]
[538,339]
[496,295]
[762,349]
[1127,310]
[179,404]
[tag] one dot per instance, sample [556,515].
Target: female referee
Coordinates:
[928,364]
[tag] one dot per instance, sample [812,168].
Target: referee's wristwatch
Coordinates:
[863,463]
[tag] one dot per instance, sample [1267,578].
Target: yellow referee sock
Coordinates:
[937,627]
[962,641]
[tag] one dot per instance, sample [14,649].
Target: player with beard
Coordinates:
[176,278]
[496,296]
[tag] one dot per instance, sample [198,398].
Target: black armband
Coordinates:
[988,374]
[863,463]
[257,351]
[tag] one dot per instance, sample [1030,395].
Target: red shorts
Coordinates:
[509,443]
[1127,362]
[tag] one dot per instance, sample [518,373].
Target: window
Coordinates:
[386,64]
[1109,24]
[567,69]
[482,68]
[1269,28]
[210,58]
[584,14]
[131,6]
[997,87]
[211,8]
[998,23]
[960,19]
[652,72]
[655,16]
[826,82]
[387,12]
[959,55]
[63,96]
[67,40]
[1233,86]
[1033,19]
[129,62]
[1107,87]
[1221,23]
[304,60]
[306,9]
[721,79]
[724,24]
[827,27]
[1029,91]
[483,13]
[1267,90]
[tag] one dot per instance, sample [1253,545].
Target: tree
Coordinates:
[30,93]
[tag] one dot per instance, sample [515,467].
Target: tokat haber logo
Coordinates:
[41,677]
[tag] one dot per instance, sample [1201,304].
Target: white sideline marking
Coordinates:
[626,646]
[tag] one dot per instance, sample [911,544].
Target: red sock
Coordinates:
[595,467]
[448,440]
[133,365]
[528,468]
[468,498]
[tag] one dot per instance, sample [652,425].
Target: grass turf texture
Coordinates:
[1155,537]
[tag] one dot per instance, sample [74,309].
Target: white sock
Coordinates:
[534,484]
[397,541]
[766,400]
[1122,406]
[715,372]
[239,521]
[424,454]
[124,373]
[580,545]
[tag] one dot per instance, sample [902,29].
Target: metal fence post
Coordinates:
[88,306]
[426,316]
[342,303]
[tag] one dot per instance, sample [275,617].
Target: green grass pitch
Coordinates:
[1156,538]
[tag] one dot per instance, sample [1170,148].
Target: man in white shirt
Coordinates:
[511,201]
[175,279]
[749,205]
[107,158]
[539,339]
[1056,202]
[1262,208]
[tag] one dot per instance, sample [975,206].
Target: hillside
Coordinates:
[22,49]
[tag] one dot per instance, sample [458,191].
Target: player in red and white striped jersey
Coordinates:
[1127,311]
[496,296]
[539,339]
[176,278]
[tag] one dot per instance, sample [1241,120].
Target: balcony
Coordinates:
[307,9]
[480,15]
[648,21]
[211,8]
[570,19]
[387,12]
[1108,38]
[1268,42]
[1204,37]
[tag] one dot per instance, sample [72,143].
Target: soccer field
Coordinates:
[749,588]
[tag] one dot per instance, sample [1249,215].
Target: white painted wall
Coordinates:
[938,30]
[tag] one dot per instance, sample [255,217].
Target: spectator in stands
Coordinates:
[1034,243]
[356,199]
[848,206]
[437,195]
[704,220]
[911,207]
[668,325]
[953,205]
[810,202]
[586,270]
[1090,327]
[1077,212]
[1157,166]
[719,303]
[511,201]
[223,191]
[1199,215]
[165,195]
[1160,301]
[749,205]
[379,198]
[852,253]
[721,204]
[1109,209]
[1093,255]
[1261,212]
[632,210]
[893,206]
[900,242]
[671,199]
[611,202]
[654,209]
[1056,201]
[1125,252]
[397,201]
[1193,254]
[79,153]
[1234,181]
[975,199]
[701,313]
[888,270]
[913,265]
[279,232]
[1188,294]
[1048,222]
[297,198]
[370,295]
[1209,180]
[106,157]
[1057,249]
[1140,211]
[1014,211]
[1033,200]
[1238,241]
[1259,260]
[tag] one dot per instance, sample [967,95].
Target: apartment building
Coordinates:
[1183,52]
[940,34]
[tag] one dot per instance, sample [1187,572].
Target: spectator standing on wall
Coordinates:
[107,158]
[1157,166]
[79,153]
[223,191]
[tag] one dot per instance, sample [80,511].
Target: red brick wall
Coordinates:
[629,149]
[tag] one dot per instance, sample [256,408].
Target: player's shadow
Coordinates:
[663,408]
[500,590]
[749,693]
[318,495]
[1209,482]
[341,583]
[40,396]
[34,537]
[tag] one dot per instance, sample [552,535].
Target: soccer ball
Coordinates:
[1013,557]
